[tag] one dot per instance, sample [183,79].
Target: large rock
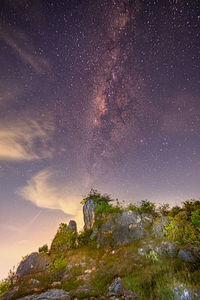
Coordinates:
[119,229]
[53,294]
[159,226]
[72,226]
[186,255]
[33,263]
[89,213]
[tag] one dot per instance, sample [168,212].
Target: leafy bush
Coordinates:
[174,211]
[4,286]
[96,197]
[163,209]
[64,239]
[144,206]
[59,263]
[152,256]
[184,230]
[195,218]
[84,237]
[43,249]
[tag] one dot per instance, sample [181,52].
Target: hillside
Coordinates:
[134,252]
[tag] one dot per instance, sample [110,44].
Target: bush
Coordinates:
[43,249]
[184,230]
[163,209]
[195,218]
[84,237]
[64,239]
[147,207]
[96,197]
[4,286]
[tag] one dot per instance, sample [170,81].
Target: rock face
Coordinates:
[72,226]
[89,213]
[53,294]
[35,262]
[159,226]
[119,229]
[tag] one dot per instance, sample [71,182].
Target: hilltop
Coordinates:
[134,252]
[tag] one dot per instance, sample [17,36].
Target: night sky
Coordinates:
[94,93]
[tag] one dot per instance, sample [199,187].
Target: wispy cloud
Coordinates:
[27,139]
[21,44]
[45,192]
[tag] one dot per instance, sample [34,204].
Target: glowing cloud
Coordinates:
[25,140]
[45,193]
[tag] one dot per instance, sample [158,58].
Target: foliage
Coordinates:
[184,227]
[59,263]
[64,238]
[43,249]
[106,208]
[152,256]
[195,218]
[133,207]
[163,209]
[144,206]
[84,237]
[174,211]
[96,197]
[4,286]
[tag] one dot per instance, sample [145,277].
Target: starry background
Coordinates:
[102,94]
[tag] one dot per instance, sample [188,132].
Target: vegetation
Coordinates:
[184,226]
[43,249]
[96,197]
[144,206]
[76,262]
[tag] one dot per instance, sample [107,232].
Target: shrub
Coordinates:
[184,230]
[195,218]
[147,207]
[64,238]
[59,263]
[152,256]
[174,211]
[84,237]
[96,197]
[43,249]
[4,286]
[163,209]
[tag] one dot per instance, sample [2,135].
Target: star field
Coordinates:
[102,94]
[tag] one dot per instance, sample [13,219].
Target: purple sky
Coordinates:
[102,94]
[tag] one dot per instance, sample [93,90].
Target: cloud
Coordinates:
[45,192]
[20,43]
[27,139]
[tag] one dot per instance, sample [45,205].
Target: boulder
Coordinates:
[119,229]
[89,213]
[33,263]
[186,255]
[159,226]
[52,294]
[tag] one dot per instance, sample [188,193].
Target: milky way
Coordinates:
[102,94]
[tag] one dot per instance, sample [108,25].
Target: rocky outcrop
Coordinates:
[119,229]
[53,294]
[159,226]
[72,226]
[33,263]
[89,213]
